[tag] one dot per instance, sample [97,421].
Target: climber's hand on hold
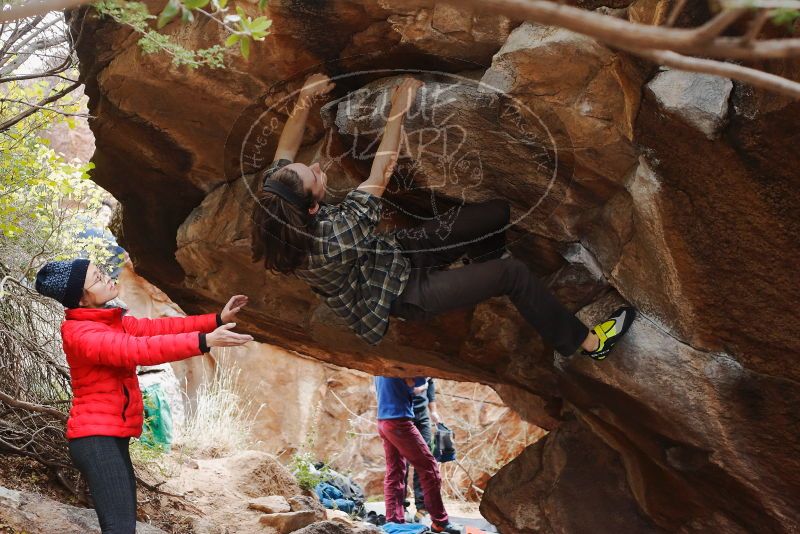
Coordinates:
[292,135]
[404,95]
[223,336]
[386,156]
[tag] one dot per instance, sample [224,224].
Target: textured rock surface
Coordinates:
[700,100]
[22,511]
[221,488]
[696,414]
[286,522]
[336,527]
[273,504]
[564,483]
[301,400]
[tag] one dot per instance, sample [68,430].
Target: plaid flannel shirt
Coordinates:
[357,272]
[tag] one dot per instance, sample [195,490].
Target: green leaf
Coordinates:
[260,24]
[222,3]
[172,8]
[186,15]
[195,4]
[232,39]
[244,46]
[262,4]
[785,17]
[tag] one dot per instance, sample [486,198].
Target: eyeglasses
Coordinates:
[101,276]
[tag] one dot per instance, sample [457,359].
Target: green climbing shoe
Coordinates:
[611,331]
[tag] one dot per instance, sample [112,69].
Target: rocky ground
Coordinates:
[248,492]
[245,493]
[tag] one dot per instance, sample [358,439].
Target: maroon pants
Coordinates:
[402,441]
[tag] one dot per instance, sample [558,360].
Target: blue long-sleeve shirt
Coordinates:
[395,397]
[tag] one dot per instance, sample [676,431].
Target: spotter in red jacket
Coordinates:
[103,348]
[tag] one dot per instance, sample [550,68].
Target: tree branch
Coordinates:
[11,401]
[18,32]
[24,55]
[36,7]
[35,107]
[677,9]
[755,27]
[633,35]
[748,75]
[714,27]
[31,32]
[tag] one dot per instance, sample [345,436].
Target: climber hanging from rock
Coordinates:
[365,277]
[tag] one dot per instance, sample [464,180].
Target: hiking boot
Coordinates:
[611,331]
[448,528]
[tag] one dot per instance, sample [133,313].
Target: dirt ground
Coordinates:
[201,495]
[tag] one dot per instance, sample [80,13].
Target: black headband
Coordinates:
[286,193]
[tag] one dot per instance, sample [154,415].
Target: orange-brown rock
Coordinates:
[302,405]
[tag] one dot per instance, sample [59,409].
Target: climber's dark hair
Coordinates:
[281,231]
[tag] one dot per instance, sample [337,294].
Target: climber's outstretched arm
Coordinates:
[386,156]
[292,134]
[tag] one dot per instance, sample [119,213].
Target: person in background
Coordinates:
[103,347]
[403,442]
[425,415]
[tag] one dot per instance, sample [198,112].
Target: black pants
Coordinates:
[422,421]
[105,462]
[478,233]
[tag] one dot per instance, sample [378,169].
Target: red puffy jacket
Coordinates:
[103,348]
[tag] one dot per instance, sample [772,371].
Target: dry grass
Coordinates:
[221,420]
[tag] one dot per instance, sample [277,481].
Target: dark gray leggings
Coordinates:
[105,462]
[477,233]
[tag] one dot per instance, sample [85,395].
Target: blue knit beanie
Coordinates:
[63,281]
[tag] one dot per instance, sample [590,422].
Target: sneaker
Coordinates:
[449,528]
[611,331]
[421,516]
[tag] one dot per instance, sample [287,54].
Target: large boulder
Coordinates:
[22,511]
[694,413]
[569,481]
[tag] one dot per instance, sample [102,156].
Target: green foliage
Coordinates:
[242,28]
[307,475]
[302,463]
[785,17]
[45,201]
[150,458]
